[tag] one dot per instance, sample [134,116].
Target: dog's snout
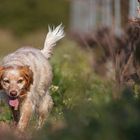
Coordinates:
[13,93]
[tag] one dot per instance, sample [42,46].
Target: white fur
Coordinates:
[54,35]
[38,96]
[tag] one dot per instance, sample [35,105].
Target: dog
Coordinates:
[25,78]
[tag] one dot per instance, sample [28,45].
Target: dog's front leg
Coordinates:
[25,115]
[16,114]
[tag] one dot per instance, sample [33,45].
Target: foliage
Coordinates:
[84,107]
[84,104]
[27,15]
[75,79]
[5,115]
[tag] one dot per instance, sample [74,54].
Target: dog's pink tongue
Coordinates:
[14,103]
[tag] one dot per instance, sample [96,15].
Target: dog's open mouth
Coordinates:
[14,102]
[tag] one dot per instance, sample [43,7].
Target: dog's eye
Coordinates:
[6,81]
[20,81]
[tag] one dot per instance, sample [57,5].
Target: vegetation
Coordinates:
[28,15]
[84,103]
[84,107]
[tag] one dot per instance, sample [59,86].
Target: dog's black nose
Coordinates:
[13,93]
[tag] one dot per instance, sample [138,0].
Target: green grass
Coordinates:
[5,114]
[75,79]
[84,107]
[25,16]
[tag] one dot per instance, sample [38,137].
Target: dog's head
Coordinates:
[15,79]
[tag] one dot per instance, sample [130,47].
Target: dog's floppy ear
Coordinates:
[1,73]
[28,75]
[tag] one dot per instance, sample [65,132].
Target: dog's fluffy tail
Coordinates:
[54,35]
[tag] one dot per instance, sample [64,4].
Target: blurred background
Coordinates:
[87,101]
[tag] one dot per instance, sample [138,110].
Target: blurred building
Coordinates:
[87,15]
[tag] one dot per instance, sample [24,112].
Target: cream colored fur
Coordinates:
[38,98]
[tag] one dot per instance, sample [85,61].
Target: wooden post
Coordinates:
[133,8]
[92,14]
[107,13]
[117,12]
[80,18]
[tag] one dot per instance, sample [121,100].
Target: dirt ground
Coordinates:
[9,132]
